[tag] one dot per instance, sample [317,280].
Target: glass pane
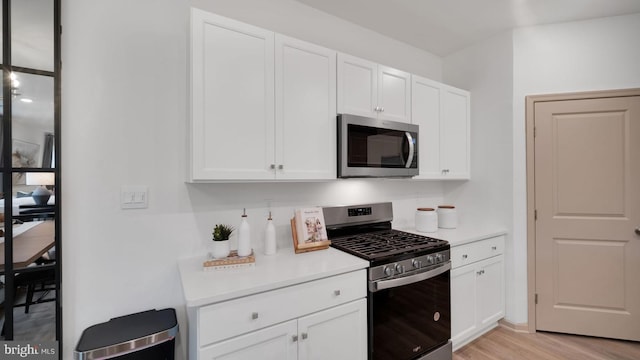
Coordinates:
[32,34]
[34,305]
[33,120]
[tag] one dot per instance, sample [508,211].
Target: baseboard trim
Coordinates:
[519,328]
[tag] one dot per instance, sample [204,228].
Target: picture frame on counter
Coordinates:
[308,230]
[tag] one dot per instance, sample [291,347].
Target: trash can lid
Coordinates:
[127,333]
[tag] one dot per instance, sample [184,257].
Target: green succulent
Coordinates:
[222,232]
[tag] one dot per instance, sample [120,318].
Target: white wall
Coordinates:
[578,56]
[486,69]
[124,122]
[599,54]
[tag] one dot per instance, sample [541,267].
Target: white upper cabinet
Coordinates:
[368,89]
[305,110]
[263,105]
[442,112]
[232,99]
[455,133]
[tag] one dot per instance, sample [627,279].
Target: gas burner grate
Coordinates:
[385,243]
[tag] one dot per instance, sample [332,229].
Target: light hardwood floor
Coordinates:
[505,344]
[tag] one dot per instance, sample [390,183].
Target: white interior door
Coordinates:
[587,197]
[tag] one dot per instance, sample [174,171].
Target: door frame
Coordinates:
[530,102]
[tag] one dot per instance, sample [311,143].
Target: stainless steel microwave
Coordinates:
[376,148]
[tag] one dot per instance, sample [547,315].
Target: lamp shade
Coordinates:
[41,178]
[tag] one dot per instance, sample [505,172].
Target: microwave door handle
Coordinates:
[411,150]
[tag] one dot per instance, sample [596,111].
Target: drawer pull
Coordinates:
[494,248]
[336,292]
[464,256]
[304,336]
[480,272]
[294,338]
[254,315]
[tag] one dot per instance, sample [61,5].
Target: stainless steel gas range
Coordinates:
[409,301]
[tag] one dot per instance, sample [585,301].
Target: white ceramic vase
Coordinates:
[220,249]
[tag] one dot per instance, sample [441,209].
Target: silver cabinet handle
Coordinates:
[464,256]
[272,167]
[294,338]
[494,248]
[280,167]
[254,315]
[638,231]
[480,272]
[381,109]
[336,292]
[304,336]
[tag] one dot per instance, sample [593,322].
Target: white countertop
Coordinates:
[285,268]
[462,235]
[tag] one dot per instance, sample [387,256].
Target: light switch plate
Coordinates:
[134,197]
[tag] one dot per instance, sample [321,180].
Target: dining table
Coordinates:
[31,240]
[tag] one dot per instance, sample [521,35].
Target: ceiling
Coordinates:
[446,26]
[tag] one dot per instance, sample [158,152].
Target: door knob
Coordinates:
[638,231]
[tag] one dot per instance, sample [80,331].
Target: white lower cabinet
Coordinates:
[272,343]
[336,333]
[477,289]
[321,319]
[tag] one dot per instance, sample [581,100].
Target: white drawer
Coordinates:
[234,317]
[469,253]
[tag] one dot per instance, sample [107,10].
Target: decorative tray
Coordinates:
[233,261]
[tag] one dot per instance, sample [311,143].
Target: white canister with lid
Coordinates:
[447,217]
[426,220]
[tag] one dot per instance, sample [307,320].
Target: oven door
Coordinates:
[410,316]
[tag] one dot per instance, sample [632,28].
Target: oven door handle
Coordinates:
[387,284]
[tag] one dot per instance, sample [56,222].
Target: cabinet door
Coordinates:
[425,112]
[357,86]
[305,110]
[339,333]
[491,291]
[277,342]
[454,145]
[232,92]
[394,94]
[464,300]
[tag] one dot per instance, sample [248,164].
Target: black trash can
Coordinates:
[147,335]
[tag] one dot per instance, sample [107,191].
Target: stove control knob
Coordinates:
[399,268]
[416,263]
[438,258]
[388,271]
[430,260]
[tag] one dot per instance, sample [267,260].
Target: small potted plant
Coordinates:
[221,233]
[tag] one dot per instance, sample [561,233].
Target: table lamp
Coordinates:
[41,194]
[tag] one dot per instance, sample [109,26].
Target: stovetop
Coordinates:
[365,231]
[377,245]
